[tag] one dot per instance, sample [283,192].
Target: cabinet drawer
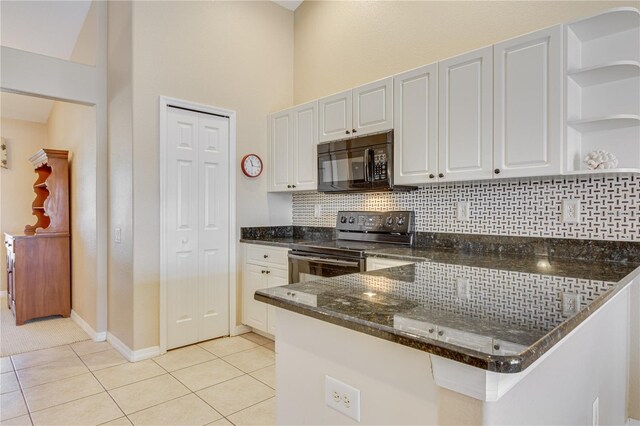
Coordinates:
[268,256]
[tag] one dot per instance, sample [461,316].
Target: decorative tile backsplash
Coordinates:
[610,207]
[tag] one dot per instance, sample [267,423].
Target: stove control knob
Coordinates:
[351,219]
[400,220]
[343,219]
[389,221]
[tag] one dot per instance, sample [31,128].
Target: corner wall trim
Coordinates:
[95,336]
[128,353]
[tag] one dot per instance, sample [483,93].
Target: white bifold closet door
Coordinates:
[197,227]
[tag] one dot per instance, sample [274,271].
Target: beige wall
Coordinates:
[120,172]
[72,127]
[23,139]
[342,44]
[234,55]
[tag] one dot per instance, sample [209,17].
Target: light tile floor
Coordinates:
[225,381]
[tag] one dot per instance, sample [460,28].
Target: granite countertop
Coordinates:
[495,312]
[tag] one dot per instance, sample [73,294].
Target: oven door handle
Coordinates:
[326,261]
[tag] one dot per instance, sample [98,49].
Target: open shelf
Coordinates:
[605,73]
[37,208]
[605,123]
[611,22]
[40,185]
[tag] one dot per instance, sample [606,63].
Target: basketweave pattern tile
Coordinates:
[529,301]
[610,207]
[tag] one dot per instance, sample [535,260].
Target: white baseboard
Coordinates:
[128,353]
[633,422]
[239,329]
[95,336]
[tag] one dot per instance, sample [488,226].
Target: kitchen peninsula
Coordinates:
[489,327]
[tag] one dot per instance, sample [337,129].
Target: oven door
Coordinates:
[306,267]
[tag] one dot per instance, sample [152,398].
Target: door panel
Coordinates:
[281,135]
[466,116]
[182,234]
[254,313]
[373,107]
[416,126]
[305,147]
[335,117]
[213,226]
[528,102]
[197,227]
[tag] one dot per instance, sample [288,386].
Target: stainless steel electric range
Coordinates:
[357,232]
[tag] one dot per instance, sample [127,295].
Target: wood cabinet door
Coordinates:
[335,117]
[279,166]
[277,278]
[305,147]
[528,104]
[415,112]
[466,116]
[254,313]
[373,107]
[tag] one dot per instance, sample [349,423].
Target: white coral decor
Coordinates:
[597,160]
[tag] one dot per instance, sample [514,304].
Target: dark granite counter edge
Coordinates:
[272,243]
[494,363]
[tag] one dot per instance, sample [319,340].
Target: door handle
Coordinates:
[325,261]
[367,164]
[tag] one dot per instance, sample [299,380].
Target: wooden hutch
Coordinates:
[39,262]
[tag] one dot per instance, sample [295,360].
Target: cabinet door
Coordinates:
[305,147]
[277,278]
[415,112]
[335,117]
[254,313]
[466,116]
[280,146]
[528,104]
[373,107]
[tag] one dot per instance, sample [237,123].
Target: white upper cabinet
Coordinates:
[373,107]
[466,116]
[528,104]
[305,147]
[292,162]
[416,126]
[280,174]
[335,117]
[360,111]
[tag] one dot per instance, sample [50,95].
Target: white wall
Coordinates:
[24,138]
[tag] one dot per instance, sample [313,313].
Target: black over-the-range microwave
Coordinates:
[362,164]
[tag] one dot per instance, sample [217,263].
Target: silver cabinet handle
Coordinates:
[326,261]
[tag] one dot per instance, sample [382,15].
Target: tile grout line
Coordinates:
[24,398]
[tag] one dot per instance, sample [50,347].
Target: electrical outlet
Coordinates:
[570,304]
[342,397]
[118,235]
[463,288]
[317,210]
[464,211]
[595,412]
[570,211]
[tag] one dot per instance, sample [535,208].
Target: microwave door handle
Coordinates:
[367,165]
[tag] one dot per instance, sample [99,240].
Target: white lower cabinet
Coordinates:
[262,267]
[374,263]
